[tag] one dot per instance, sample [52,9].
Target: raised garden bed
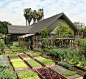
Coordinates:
[48,73]
[27,74]
[33,64]
[27,51]
[23,56]
[78,71]
[9,52]
[3,61]
[7,73]
[13,55]
[46,62]
[68,73]
[18,64]
[35,54]
[5,68]
[72,67]
[65,64]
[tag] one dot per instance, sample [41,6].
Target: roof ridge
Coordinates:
[48,18]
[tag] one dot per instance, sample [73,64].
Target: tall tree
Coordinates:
[3,27]
[41,14]
[28,15]
[35,16]
[64,31]
[79,25]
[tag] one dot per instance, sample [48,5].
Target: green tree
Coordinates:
[79,25]
[35,16]
[28,15]
[64,31]
[3,27]
[84,31]
[44,32]
[41,14]
[2,45]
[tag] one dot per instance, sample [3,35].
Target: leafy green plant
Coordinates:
[45,61]
[68,73]
[18,63]
[33,62]
[35,54]
[2,45]
[27,74]
[65,64]
[7,73]
[12,55]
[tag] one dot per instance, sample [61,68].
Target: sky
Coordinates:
[12,10]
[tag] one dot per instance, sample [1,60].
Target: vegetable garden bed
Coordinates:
[18,64]
[5,70]
[23,56]
[13,55]
[27,74]
[8,52]
[78,71]
[33,64]
[68,73]
[48,73]
[35,54]
[46,62]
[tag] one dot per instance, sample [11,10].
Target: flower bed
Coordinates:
[27,74]
[45,61]
[33,64]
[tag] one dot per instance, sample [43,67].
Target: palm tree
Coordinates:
[28,15]
[35,16]
[41,14]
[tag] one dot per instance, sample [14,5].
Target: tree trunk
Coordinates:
[26,22]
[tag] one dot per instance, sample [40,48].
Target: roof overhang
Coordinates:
[27,35]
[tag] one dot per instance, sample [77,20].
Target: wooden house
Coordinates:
[51,23]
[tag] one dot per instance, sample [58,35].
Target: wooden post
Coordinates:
[24,42]
[73,34]
[82,35]
[78,34]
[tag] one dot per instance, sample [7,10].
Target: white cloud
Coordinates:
[13,10]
